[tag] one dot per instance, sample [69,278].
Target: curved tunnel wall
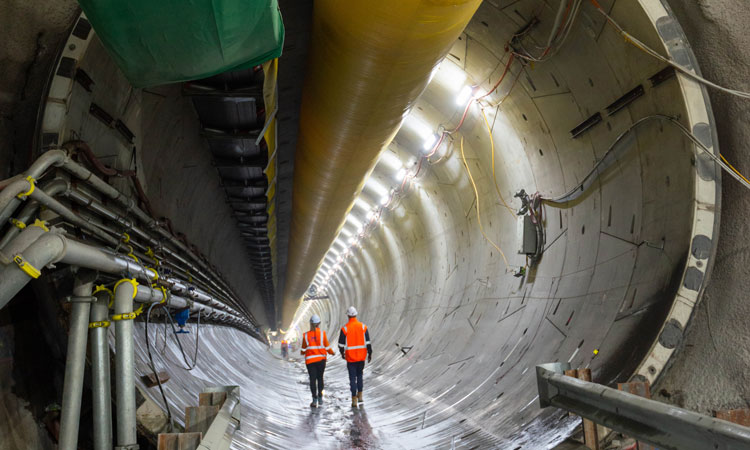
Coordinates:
[623,265]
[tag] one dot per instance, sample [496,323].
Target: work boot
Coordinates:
[359,397]
[320,400]
[314,403]
[354,402]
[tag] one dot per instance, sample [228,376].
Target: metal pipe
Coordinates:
[659,424]
[55,187]
[125,367]
[45,250]
[75,362]
[9,200]
[102,396]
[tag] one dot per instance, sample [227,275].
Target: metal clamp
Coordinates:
[72,299]
[20,225]
[124,316]
[24,265]
[32,184]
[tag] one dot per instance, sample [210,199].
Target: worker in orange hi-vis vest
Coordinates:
[314,347]
[354,345]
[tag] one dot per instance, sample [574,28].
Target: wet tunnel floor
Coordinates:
[275,398]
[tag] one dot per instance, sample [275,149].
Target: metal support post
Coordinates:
[75,362]
[125,291]
[659,424]
[102,396]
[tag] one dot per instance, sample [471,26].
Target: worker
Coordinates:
[284,349]
[315,346]
[354,345]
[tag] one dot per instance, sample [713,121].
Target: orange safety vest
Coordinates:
[316,343]
[356,347]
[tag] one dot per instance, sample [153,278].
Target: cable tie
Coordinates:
[32,184]
[20,225]
[99,324]
[24,265]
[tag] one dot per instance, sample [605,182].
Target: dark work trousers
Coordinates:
[355,376]
[315,370]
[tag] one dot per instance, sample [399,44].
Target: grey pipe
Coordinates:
[125,368]
[8,197]
[9,200]
[41,252]
[102,397]
[55,187]
[75,362]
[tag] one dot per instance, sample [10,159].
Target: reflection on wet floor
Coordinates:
[276,397]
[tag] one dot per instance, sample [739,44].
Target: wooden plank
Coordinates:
[590,436]
[150,380]
[199,418]
[211,398]
[179,441]
[738,416]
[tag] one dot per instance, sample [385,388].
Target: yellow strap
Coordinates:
[163,292]
[156,274]
[20,225]
[124,316]
[125,238]
[100,324]
[101,288]
[149,252]
[24,265]
[139,310]
[41,224]
[31,181]
[128,280]
[190,277]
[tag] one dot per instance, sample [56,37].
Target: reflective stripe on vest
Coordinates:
[356,346]
[315,353]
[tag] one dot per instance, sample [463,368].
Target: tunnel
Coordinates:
[493,185]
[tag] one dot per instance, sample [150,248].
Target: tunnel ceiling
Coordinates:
[624,262]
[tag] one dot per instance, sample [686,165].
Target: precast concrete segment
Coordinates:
[624,264]
[368,62]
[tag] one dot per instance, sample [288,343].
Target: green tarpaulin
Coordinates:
[166,41]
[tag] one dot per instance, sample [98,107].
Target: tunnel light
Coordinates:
[354,221]
[346,232]
[373,184]
[429,142]
[401,174]
[450,74]
[370,215]
[391,160]
[466,93]
[424,131]
[340,243]
[384,200]
[362,204]
[352,241]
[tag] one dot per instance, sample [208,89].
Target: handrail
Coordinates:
[659,424]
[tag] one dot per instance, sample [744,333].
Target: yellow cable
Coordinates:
[476,196]
[492,144]
[733,169]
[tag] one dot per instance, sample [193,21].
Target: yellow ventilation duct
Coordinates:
[369,60]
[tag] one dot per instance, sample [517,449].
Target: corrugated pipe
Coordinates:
[368,62]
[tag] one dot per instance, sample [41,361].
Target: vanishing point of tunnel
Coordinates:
[507,211]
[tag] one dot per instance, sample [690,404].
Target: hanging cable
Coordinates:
[649,51]
[476,198]
[492,156]
[153,368]
[612,155]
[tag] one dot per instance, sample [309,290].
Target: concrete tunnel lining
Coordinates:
[426,278]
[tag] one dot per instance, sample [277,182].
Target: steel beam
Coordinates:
[659,424]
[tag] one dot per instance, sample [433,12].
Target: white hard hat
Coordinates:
[351,312]
[314,319]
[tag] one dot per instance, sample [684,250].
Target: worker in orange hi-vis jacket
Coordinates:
[315,346]
[354,345]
